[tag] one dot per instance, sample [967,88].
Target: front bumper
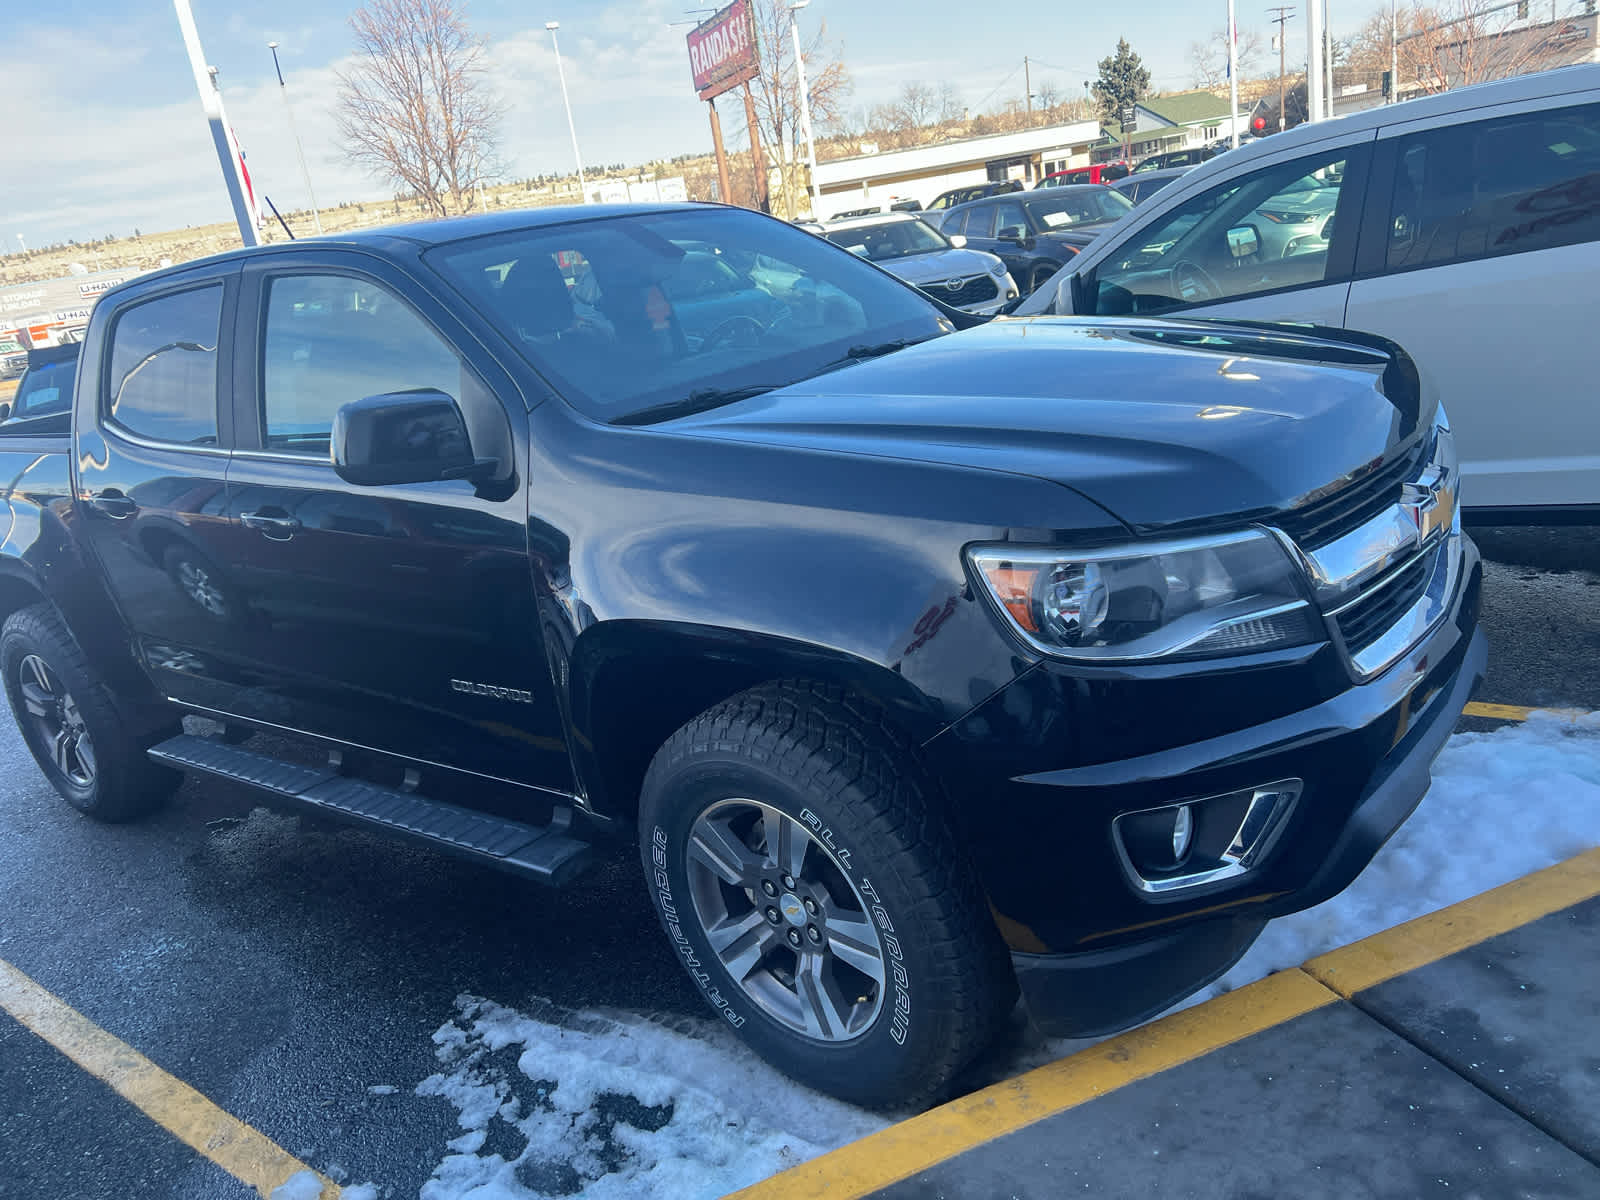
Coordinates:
[1092,953]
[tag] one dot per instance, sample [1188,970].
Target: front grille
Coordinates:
[1369,617]
[1325,520]
[972,291]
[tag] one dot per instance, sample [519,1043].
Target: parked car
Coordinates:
[915,665]
[45,389]
[1035,233]
[945,201]
[943,267]
[1465,226]
[1192,157]
[1107,172]
[1139,188]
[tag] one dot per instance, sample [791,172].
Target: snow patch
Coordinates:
[613,1104]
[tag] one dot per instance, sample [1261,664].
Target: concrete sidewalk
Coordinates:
[1455,1055]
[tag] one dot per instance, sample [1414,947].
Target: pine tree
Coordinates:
[1124,79]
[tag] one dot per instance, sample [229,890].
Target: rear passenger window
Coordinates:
[1527,182]
[163,382]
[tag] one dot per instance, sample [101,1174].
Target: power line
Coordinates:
[1010,75]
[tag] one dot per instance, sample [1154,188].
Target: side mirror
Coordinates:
[5,410]
[403,437]
[1244,241]
[1012,233]
[958,240]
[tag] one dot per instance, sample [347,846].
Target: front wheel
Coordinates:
[815,893]
[70,725]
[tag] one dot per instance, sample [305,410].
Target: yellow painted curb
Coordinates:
[1383,956]
[1516,712]
[922,1142]
[242,1151]
[896,1153]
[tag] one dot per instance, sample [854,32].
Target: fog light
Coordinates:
[1182,832]
[1158,839]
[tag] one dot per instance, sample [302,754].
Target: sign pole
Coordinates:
[211,101]
[723,186]
[758,159]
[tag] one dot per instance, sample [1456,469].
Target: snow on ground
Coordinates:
[615,1104]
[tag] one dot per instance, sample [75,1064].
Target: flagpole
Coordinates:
[221,136]
[1233,77]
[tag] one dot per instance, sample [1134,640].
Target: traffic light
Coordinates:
[1388,85]
[1258,125]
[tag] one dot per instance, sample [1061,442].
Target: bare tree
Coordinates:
[777,87]
[1209,58]
[951,105]
[916,105]
[1452,45]
[415,107]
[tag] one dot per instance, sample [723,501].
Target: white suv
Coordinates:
[1464,226]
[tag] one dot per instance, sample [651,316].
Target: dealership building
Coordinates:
[922,172]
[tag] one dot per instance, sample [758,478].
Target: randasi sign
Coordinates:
[722,50]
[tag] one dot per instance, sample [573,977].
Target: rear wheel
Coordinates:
[71,726]
[815,893]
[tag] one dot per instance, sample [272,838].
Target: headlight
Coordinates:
[998,270]
[1197,598]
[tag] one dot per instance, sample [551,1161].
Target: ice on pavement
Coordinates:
[619,1104]
[616,1104]
[304,1185]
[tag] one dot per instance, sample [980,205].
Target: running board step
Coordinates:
[532,850]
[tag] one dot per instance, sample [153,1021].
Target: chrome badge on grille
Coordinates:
[1430,503]
[953,285]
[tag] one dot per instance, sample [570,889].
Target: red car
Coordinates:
[1106,172]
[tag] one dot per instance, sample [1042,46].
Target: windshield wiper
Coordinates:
[861,353]
[698,400]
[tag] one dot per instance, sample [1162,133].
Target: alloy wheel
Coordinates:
[57,721]
[785,920]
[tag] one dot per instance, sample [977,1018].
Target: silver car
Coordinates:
[941,266]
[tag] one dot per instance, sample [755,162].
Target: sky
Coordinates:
[106,133]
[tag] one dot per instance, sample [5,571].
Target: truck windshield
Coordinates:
[633,313]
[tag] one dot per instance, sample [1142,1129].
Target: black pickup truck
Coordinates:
[921,659]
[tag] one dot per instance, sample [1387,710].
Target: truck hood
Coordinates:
[1161,423]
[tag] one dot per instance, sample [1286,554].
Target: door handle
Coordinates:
[273,522]
[112,503]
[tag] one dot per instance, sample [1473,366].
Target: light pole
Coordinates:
[299,150]
[583,191]
[1394,51]
[805,104]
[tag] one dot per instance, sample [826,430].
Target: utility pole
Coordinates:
[1281,16]
[1327,45]
[1394,51]
[1027,87]
[1314,60]
[1233,79]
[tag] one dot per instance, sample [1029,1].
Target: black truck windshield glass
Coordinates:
[637,312]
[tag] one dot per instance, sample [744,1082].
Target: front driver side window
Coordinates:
[1267,230]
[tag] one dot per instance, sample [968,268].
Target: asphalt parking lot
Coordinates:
[295,975]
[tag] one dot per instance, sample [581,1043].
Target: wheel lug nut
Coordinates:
[772,915]
[794,937]
[811,932]
[788,881]
[811,906]
[768,887]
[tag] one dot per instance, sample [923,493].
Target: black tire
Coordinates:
[92,761]
[1040,276]
[202,583]
[840,773]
